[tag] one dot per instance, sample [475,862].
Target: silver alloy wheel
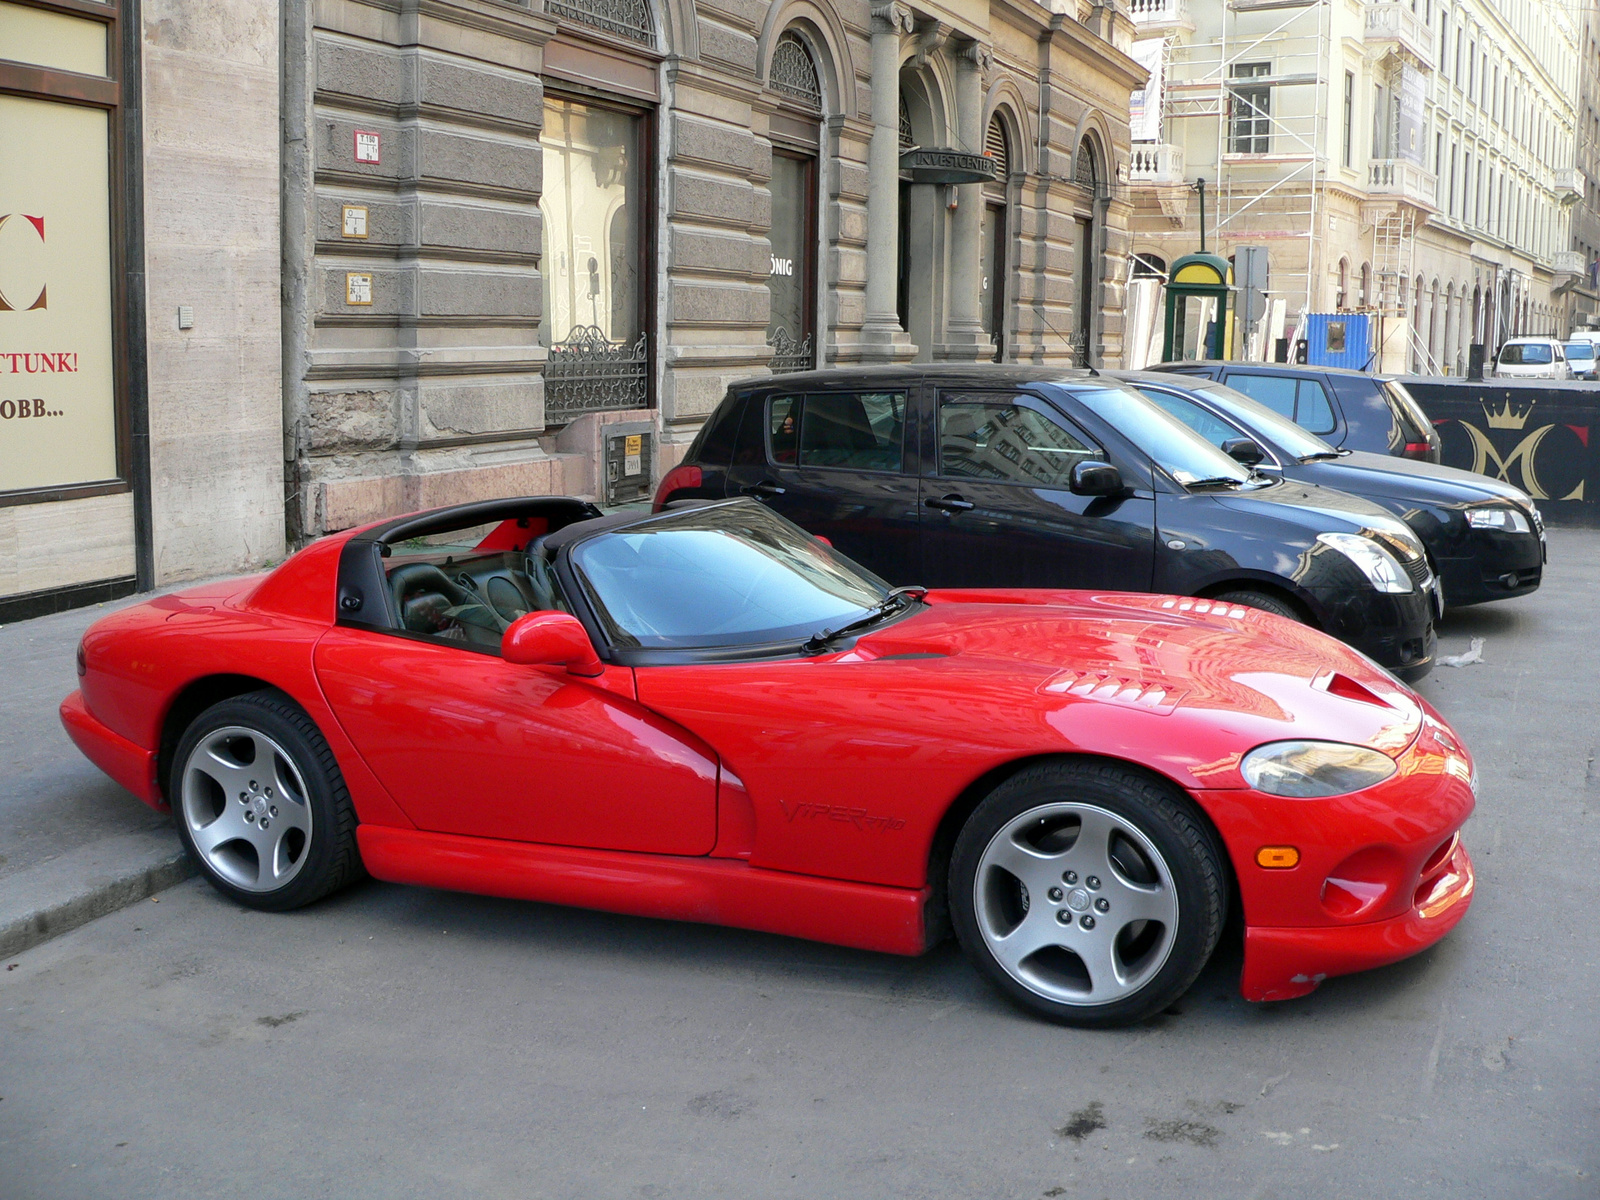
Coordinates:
[244,803]
[1076,903]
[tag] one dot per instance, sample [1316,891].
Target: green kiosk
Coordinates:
[1199,324]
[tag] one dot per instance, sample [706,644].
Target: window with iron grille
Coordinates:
[794,73]
[906,139]
[1087,171]
[1251,111]
[625,18]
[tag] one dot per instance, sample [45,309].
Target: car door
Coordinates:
[998,510]
[835,463]
[467,743]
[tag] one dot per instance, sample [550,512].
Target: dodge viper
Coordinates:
[707,714]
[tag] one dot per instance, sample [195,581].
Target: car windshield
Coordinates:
[1526,354]
[1170,444]
[1583,350]
[725,575]
[1294,439]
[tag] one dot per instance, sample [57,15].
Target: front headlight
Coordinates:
[1380,567]
[1506,520]
[1310,770]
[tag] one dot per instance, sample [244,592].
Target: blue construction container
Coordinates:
[1339,340]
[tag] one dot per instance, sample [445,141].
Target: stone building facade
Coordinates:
[296,265]
[1578,269]
[511,229]
[1409,159]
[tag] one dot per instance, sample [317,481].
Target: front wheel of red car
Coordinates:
[1088,892]
[259,802]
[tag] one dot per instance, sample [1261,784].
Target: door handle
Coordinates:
[951,503]
[765,488]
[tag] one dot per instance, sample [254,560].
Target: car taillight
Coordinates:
[685,475]
[83,662]
[1417,450]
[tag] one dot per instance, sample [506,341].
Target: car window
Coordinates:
[1526,354]
[1580,350]
[451,592]
[1198,418]
[993,436]
[725,575]
[1408,414]
[1303,401]
[857,431]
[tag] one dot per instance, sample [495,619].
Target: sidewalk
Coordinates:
[73,845]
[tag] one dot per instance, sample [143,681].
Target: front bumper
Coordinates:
[1496,566]
[1394,630]
[1382,873]
[1280,964]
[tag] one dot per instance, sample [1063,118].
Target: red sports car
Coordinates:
[709,715]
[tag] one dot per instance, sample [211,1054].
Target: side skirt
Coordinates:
[711,891]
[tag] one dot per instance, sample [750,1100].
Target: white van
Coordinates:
[1532,358]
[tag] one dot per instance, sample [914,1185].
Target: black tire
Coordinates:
[226,797]
[1265,601]
[1134,807]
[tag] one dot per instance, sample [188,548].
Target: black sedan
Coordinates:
[1352,410]
[994,476]
[1485,538]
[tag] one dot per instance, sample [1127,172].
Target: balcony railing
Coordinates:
[1147,13]
[1569,184]
[1568,262]
[1393,21]
[1401,179]
[1154,163]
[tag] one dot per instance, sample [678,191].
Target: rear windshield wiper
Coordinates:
[893,600]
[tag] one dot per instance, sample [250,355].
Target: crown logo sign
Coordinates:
[1507,416]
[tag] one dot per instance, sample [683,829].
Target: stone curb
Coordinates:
[54,897]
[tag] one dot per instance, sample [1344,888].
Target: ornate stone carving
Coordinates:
[895,15]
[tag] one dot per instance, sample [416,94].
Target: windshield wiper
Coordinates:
[1214,481]
[893,600]
[1323,455]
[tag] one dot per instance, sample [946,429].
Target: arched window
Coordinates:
[792,281]
[995,241]
[794,74]
[1341,297]
[1149,266]
[1086,172]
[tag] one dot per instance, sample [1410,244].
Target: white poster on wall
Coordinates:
[1145,106]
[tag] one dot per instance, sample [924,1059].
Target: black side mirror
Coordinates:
[1243,450]
[1096,479]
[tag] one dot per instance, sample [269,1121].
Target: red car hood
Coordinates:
[1261,676]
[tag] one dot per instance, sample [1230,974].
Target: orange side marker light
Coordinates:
[1277,858]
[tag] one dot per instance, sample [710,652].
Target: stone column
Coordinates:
[881,336]
[965,339]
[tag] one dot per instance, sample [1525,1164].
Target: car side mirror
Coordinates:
[551,639]
[1095,479]
[1244,450]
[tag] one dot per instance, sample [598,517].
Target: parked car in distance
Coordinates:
[1581,359]
[1485,538]
[1351,410]
[1003,476]
[708,715]
[1532,358]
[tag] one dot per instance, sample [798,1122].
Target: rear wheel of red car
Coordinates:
[1088,892]
[261,805]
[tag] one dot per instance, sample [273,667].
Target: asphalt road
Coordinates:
[397,1042]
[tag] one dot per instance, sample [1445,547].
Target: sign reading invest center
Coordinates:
[57,399]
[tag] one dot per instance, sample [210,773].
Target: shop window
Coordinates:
[595,264]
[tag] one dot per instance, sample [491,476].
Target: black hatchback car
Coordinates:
[1485,538]
[1351,410]
[991,476]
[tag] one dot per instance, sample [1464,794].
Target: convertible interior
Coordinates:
[466,591]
